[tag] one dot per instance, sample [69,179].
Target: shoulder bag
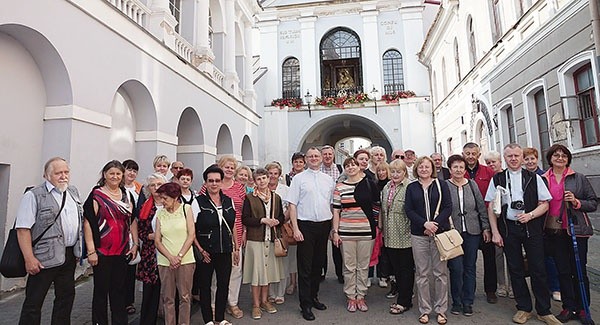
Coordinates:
[12,264]
[581,222]
[449,243]
[281,245]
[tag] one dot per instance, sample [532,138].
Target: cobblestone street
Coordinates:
[330,294]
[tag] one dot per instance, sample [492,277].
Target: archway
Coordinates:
[34,79]
[133,125]
[224,141]
[248,152]
[334,129]
[190,146]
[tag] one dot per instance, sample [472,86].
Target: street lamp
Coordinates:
[374,93]
[307,99]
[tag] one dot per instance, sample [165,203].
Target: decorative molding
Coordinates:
[158,136]
[78,113]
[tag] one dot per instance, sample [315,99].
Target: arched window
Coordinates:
[175,7]
[210,29]
[471,38]
[457,61]
[290,78]
[341,69]
[393,72]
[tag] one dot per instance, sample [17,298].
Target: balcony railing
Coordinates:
[392,88]
[218,76]
[338,92]
[134,9]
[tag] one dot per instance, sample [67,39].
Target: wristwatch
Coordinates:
[180,255]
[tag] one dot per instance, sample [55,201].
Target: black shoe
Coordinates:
[393,290]
[456,309]
[319,305]
[584,320]
[322,277]
[307,314]
[341,279]
[491,297]
[468,310]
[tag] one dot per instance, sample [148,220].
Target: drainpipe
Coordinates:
[595,13]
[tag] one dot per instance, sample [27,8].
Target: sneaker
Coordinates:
[511,294]
[256,313]
[549,319]
[584,320]
[566,315]
[351,305]
[268,307]
[456,309]
[235,311]
[556,296]
[468,310]
[361,304]
[393,290]
[502,292]
[521,317]
[383,283]
[368,282]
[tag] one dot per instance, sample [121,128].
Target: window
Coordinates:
[457,61]
[290,78]
[175,7]
[393,72]
[496,20]
[588,115]
[510,122]
[444,79]
[539,101]
[341,68]
[471,39]
[210,29]
[449,146]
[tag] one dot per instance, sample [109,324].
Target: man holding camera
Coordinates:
[520,226]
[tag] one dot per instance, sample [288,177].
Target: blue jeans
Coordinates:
[462,272]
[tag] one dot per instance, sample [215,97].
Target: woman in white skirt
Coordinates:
[262,214]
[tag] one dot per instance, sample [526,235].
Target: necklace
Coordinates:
[114,193]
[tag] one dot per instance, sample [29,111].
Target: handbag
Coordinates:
[287,233]
[12,264]
[280,247]
[581,222]
[449,243]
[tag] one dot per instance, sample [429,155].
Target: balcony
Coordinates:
[339,92]
[389,89]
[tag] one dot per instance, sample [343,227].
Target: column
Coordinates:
[249,93]
[415,74]
[371,56]
[309,63]
[204,57]
[161,22]
[231,77]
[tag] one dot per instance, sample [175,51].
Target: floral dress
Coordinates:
[147,270]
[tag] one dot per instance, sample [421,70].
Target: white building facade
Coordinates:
[519,71]
[93,81]
[332,49]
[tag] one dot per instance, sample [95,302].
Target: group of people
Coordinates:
[380,217]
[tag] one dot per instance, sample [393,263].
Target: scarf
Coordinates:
[146,208]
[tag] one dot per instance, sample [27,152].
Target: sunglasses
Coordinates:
[399,156]
[213,181]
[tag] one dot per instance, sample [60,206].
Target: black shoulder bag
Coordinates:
[12,264]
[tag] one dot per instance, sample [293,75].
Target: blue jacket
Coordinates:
[414,206]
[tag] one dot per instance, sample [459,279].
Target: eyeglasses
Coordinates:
[215,181]
[399,156]
[559,155]
[176,167]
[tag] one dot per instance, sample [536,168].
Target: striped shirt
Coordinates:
[354,224]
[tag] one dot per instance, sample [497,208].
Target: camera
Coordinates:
[517,205]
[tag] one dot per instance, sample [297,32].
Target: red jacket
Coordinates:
[483,177]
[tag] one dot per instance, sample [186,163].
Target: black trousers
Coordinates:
[336,254]
[221,264]
[514,243]
[130,285]
[109,284]
[150,303]
[37,287]
[561,248]
[312,253]
[490,274]
[403,268]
